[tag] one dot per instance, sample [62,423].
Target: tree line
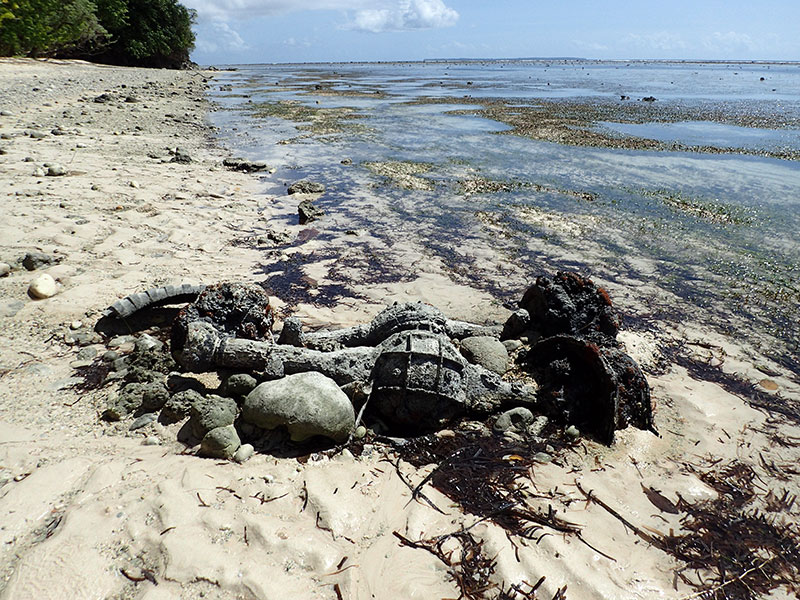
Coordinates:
[148,33]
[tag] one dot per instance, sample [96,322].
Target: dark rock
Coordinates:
[568,303]
[232,309]
[103,98]
[306,187]
[649,99]
[35,260]
[518,323]
[307,404]
[179,406]
[240,164]
[210,412]
[308,212]
[239,384]
[180,157]
[292,333]
[598,389]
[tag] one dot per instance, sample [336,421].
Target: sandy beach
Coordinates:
[113,173]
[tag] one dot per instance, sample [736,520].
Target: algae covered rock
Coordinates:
[210,412]
[220,442]
[307,404]
[179,406]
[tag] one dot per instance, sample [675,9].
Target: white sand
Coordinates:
[81,500]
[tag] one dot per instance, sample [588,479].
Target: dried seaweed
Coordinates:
[734,550]
[471,570]
[480,474]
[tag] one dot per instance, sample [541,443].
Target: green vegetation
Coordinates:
[152,33]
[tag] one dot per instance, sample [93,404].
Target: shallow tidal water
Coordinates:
[706,236]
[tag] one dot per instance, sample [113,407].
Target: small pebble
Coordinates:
[151,441]
[360,432]
[110,356]
[542,457]
[75,325]
[572,432]
[244,453]
[5,269]
[143,421]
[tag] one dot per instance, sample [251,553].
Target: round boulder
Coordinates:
[220,442]
[487,352]
[307,404]
[211,412]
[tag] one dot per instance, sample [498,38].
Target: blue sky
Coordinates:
[253,31]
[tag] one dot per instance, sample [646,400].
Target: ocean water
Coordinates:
[694,235]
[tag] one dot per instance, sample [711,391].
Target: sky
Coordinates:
[273,31]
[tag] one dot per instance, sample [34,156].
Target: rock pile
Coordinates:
[409,370]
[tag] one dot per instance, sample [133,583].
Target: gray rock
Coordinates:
[239,384]
[119,406]
[308,212]
[211,412]
[516,420]
[103,98]
[244,453]
[147,342]
[35,260]
[487,352]
[179,406]
[87,353]
[110,356]
[220,442]
[539,423]
[307,404]
[37,135]
[512,345]
[306,187]
[542,457]
[572,432]
[142,421]
[148,396]
[9,308]
[56,171]
[119,340]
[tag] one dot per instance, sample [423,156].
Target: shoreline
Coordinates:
[93,509]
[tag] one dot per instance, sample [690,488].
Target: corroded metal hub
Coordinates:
[417,380]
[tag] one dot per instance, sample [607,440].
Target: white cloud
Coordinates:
[219,36]
[658,40]
[248,9]
[365,15]
[730,41]
[405,15]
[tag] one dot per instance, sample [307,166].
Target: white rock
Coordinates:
[44,286]
[5,269]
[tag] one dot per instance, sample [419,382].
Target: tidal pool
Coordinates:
[696,236]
